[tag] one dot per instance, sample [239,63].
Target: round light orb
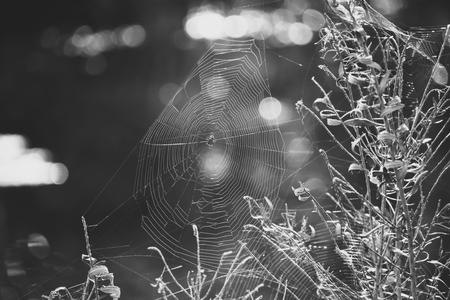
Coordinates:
[270,108]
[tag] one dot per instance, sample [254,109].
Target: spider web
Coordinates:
[426,57]
[210,147]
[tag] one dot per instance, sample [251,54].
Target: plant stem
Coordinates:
[411,256]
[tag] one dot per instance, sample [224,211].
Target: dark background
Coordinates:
[91,123]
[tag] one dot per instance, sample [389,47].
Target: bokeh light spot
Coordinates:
[278,27]
[214,163]
[49,37]
[299,151]
[38,245]
[256,22]
[281,33]
[85,42]
[261,173]
[440,74]
[298,7]
[182,40]
[81,36]
[191,28]
[21,166]
[12,146]
[235,26]
[317,187]
[283,15]
[133,36]
[300,34]
[166,92]
[58,173]
[210,25]
[96,65]
[270,108]
[388,7]
[205,22]
[313,19]
[16,273]
[265,28]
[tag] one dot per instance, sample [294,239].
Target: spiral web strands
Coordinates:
[209,148]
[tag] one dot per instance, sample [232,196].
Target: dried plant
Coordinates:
[394,140]
[99,282]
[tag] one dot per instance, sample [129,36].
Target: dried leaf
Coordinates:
[402,131]
[88,259]
[258,210]
[375,66]
[362,105]
[313,232]
[356,142]
[393,164]
[333,122]
[438,264]
[383,82]
[109,276]
[326,101]
[396,100]
[419,177]
[98,270]
[302,192]
[374,179]
[341,70]
[391,108]
[398,251]
[367,60]
[343,12]
[444,210]
[112,290]
[386,136]
[355,167]
[359,13]
[357,80]
[338,229]
[327,113]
